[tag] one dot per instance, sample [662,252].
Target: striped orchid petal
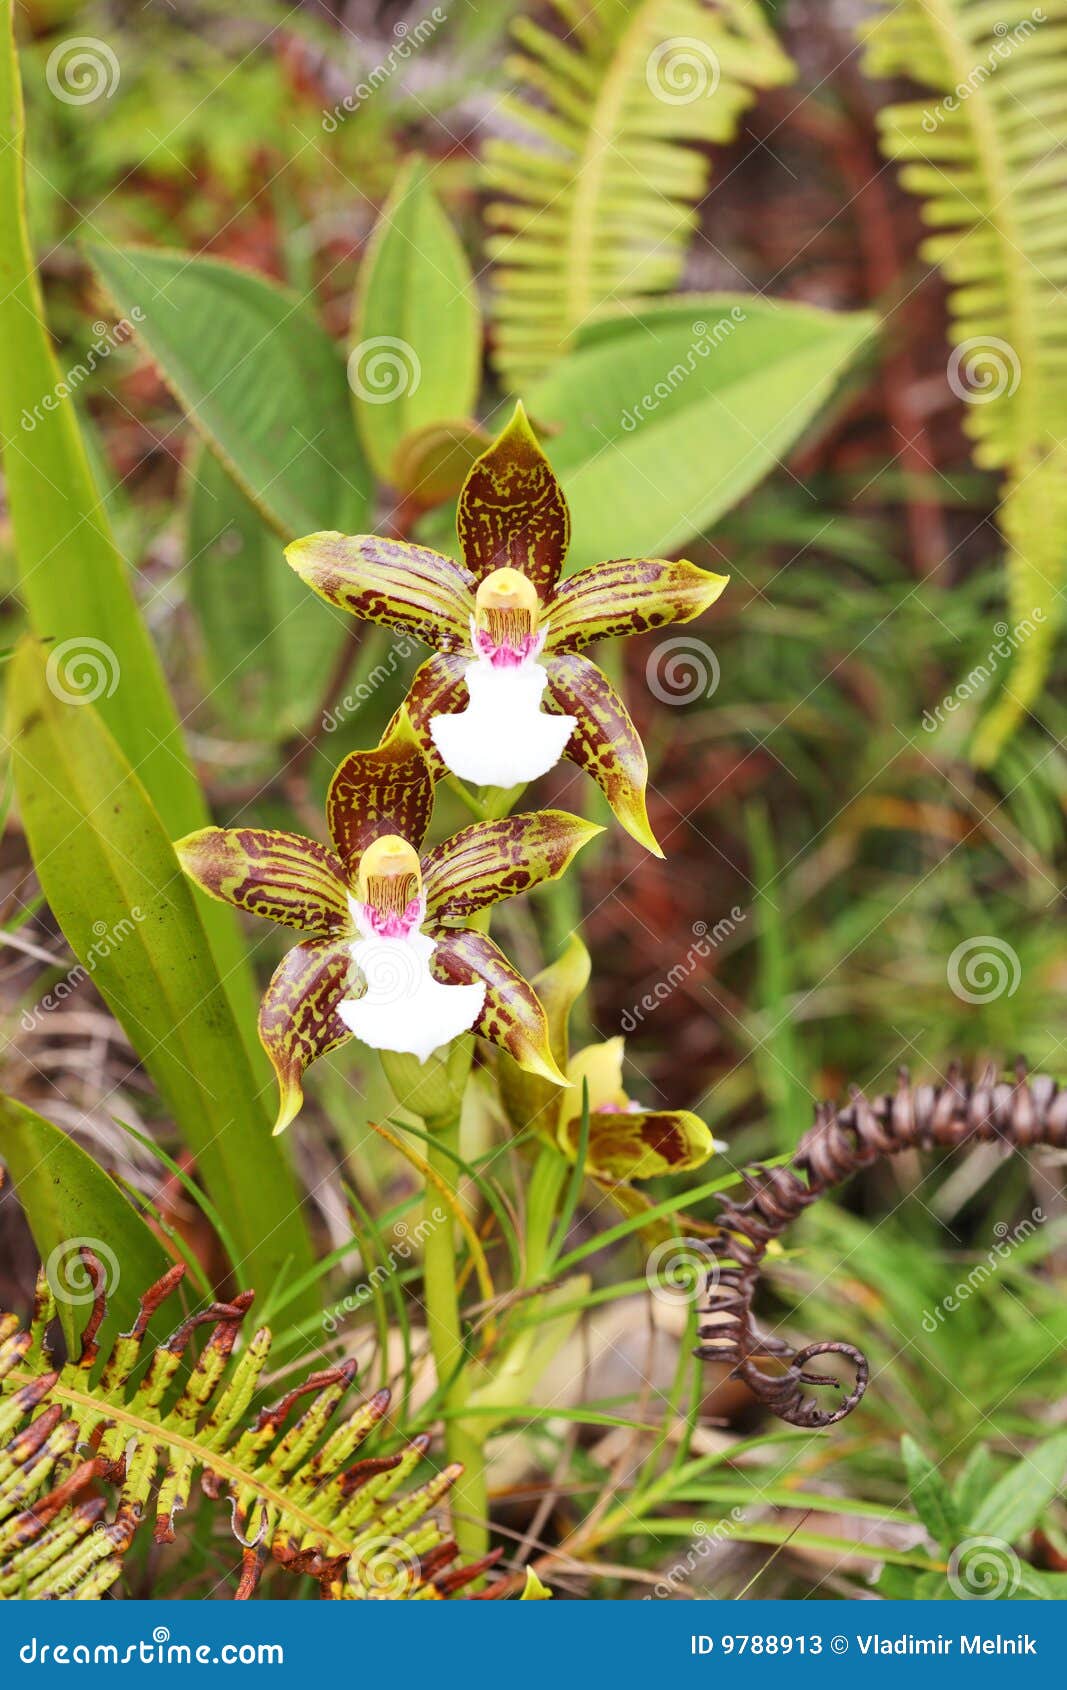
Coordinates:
[628,596]
[604,742]
[421,592]
[511,1017]
[299,1018]
[386,790]
[638,1143]
[512,513]
[491,860]
[281,876]
[437,689]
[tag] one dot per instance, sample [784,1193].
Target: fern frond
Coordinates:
[151,1428]
[599,202]
[987,154]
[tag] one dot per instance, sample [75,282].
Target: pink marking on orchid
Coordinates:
[392,924]
[507,655]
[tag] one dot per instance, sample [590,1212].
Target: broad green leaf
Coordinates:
[930,1495]
[72,579]
[268,644]
[667,416]
[110,875]
[68,1201]
[416,331]
[258,378]
[1018,1499]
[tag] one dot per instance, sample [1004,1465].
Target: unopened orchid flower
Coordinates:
[392,962]
[626,1141]
[507,692]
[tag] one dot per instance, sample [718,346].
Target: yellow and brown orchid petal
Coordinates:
[386,790]
[489,861]
[512,513]
[420,591]
[298,1018]
[604,741]
[600,1066]
[282,876]
[528,1099]
[437,689]
[628,596]
[511,1016]
[639,1143]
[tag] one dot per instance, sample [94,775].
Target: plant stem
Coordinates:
[469,1495]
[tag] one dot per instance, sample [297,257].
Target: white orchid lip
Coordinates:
[503,737]
[403,1007]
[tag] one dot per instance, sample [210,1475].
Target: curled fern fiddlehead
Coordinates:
[840,1143]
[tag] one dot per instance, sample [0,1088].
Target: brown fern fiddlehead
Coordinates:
[840,1142]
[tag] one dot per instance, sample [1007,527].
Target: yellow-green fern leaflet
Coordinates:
[986,150]
[599,201]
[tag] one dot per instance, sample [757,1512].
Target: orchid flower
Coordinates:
[626,1141]
[392,963]
[508,632]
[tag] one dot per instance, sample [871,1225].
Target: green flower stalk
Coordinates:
[390,958]
[508,632]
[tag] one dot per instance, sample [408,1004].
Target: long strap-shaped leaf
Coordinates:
[113,882]
[987,151]
[599,205]
[71,577]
